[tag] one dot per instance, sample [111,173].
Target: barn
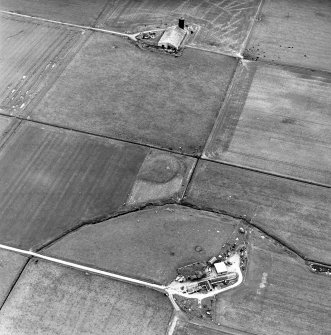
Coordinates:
[172,38]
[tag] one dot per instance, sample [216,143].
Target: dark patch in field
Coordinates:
[288,120]
[52,179]
[252,128]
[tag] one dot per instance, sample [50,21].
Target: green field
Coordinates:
[60,300]
[52,179]
[82,12]
[35,52]
[149,244]
[114,89]
[280,290]
[294,212]
[281,124]
[293,32]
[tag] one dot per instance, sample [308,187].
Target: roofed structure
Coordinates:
[172,38]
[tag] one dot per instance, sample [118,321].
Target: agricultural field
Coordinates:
[139,96]
[278,286]
[293,32]
[62,299]
[35,54]
[276,120]
[52,179]
[289,210]
[82,12]
[168,235]
[11,266]
[161,177]
[276,283]
[222,26]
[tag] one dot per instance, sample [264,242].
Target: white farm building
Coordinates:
[172,38]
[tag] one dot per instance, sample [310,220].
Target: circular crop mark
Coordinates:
[160,169]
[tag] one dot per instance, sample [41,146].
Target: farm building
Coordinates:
[172,38]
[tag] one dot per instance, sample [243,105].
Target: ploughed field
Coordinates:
[202,176]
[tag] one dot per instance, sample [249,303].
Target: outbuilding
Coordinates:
[172,38]
[220,268]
